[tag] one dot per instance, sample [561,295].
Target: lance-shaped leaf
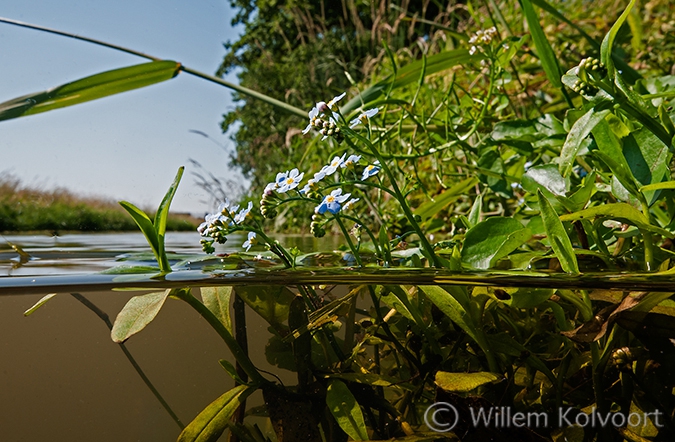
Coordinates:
[137,314]
[217,299]
[608,41]
[212,420]
[346,410]
[544,50]
[557,236]
[491,240]
[579,131]
[90,88]
[440,202]
[163,214]
[621,212]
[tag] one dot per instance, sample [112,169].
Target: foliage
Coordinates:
[486,153]
[31,209]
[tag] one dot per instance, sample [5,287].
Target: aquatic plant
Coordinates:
[437,169]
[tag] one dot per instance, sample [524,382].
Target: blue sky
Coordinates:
[127,146]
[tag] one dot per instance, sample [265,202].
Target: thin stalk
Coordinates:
[349,241]
[104,316]
[239,354]
[240,335]
[243,90]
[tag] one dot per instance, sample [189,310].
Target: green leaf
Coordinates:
[409,74]
[270,302]
[658,186]
[491,240]
[527,297]
[231,371]
[608,41]
[217,299]
[39,304]
[346,410]
[528,130]
[90,88]
[476,213]
[579,131]
[546,176]
[464,382]
[452,308]
[621,212]
[647,157]
[145,224]
[212,420]
[440,202]
[557,236]
[162,215]
[137,314]
[548,59]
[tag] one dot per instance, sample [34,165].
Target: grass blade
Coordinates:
[90,88]
[548,59]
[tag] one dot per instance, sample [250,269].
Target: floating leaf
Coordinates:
[464,382]
[491,240]
[137,314]
[212,420]
[90,88]
[346,410]
[217,299]
[557,236]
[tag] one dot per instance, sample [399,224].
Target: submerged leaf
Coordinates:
[464,382]
[137,314]
[212,420]
[346,410]
[217,299]
[39,304]
[269,301]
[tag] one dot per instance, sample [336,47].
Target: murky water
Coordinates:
[62,377]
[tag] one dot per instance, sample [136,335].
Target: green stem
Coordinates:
[104,316]
[349,240]
[406,209]
[239,354]
[243,90]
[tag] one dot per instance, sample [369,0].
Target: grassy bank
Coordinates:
[24,208]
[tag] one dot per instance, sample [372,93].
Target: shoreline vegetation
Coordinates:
[31,209]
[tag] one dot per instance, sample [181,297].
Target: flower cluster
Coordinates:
[481,39]
[363,117]
[216,225]
[327,125]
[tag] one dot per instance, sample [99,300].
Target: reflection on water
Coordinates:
[87,253]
